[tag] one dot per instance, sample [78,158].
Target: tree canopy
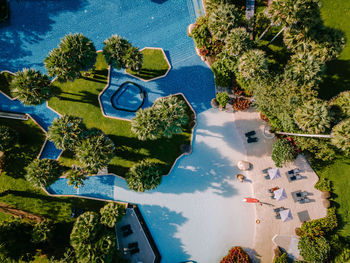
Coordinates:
[75,53]
[8,138]
[111,213]
[43,172]
[31,87]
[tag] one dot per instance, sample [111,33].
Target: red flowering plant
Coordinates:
[236,255]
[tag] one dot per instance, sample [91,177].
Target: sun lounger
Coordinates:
[250,140]
[125,228]
[251,133]
[133,245]
[265,170]
[267,177]
[134,251]
[278,216]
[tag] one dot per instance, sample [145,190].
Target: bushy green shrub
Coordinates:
[43,172]
[342,101]
[314,249]
[111,213]
[8,138]
[222,98]
[281,259]
[323,185]
[283,152]
[319,227]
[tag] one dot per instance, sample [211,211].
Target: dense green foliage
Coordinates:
[92,241]
[283,151]
[8,138]
[120,53]
[154,64]
[43,172]
[238,41]
[76,177]
[111,213]
[95,151]
[31,87]
[341,137]
[222,98]
[253,64]
[314,249]
[281,259]
[165,118]
[323,185]
[236,255]
[145,175]
[75,53]
[66,132]
[341,105]
[42,232]
[80,98]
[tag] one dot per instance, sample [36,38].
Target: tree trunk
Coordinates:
[277,35]
[267,29]
[329,136]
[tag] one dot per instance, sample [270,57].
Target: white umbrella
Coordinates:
[274,173]
[280,194]
[286,215]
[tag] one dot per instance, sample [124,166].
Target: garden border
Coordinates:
[162,76]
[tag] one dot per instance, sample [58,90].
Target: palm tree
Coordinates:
[133,59]
[111,214]
[43,172]
[66,132]
[314,116]
[115,50]
[223,19]
[173,115]
[253,64]
[91,241]
[76,177]
[74,54]
[144,175]
[95,151]
[238,41]
[145,124]
[31,87]
[341,133]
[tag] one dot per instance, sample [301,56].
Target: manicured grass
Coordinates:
[17,192]
[154,64]
[336,15]
[5,79]
[80,98]
[338,173]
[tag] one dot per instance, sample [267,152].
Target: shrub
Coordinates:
[342,101]
[314,249]
[144,175]
[8,138]
[319,227]
[224,76]
[43,172]
[42,232]
[282,259]
[323,185]
[241,104]
[341,138]
[236,255]
[222,98]
[283,151]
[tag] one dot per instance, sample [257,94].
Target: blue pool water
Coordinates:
[191,214]
[129,97]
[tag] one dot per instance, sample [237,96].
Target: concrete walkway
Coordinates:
[259,154]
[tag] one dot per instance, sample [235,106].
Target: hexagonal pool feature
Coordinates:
[129,97]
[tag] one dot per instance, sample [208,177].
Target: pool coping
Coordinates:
[159,77]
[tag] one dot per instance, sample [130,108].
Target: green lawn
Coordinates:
[154,65]
[339,174]
[336,14]
[17,192]
[80,98]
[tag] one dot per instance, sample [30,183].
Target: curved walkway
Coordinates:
[197,212]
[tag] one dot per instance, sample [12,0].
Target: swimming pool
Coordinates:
[129,97]
[196,213]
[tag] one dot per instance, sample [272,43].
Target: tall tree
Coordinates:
[66,132]
[341,133]
[238,41]
[75,53]
[111,213]
[253,64]
[120,53]
[31,87]
[223,19]
[76,177]
[144,175]
[314,116]
[43,172]
[95,151]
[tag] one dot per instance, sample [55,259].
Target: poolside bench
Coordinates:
[13,115]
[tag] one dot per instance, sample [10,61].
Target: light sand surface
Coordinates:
[259,154]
